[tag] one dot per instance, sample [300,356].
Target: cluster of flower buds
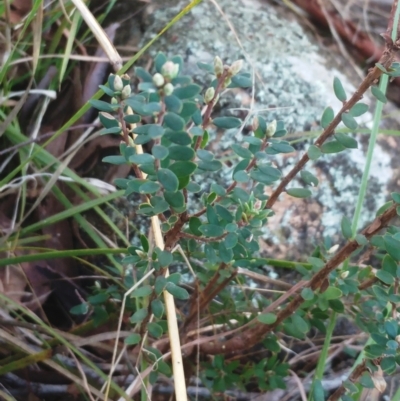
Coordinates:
[125,90]
[231,71]
[162,80]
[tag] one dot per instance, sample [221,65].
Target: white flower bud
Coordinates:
[255,124]
[158,80]
[209,95]
[170,70]
[114,100]
[168,89]
[227,82]
[235,67]
[218,66]
[126,91]
[141,254]
[271,128]
[118,84]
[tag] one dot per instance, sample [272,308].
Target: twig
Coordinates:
[250,337]
[386,60]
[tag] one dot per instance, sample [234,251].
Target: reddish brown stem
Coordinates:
[250,337]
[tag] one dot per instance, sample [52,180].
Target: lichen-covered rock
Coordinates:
[293,82]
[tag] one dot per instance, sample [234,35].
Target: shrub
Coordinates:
[210,233]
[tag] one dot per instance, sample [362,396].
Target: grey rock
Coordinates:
[293,77]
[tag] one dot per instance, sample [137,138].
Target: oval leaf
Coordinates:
[349,121]
[168,179]
[227,122]
[327,117]
[299,192]
[339,90]
[267,318]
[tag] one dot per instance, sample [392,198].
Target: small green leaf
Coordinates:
[392,247]
[183,168]
[361,240]
[132,119]
[242,152]
[346,227]
[307,294]
[180,138]
[159,61]
[108,120]
[173,103]
[194,224]
[388,365]
[117,160]
[132,339]
[189,109]
[174,122]
[309,178]
[299,192]
[168,179]
[396,197]
[267,318]
[241,176]
[227,122]
[300,323]
[149,187]
[378,94]
[358,109]
[143,291]
[332,147]
[187,92]
[346,141]
[157,308]
[389,265]
[241,81]
[211,230]
[332,293]
[318,391]
[349,121]
[327,117]
[178,152]
[98,299]
[159,152]
[160,284]
[213,165]
[193,187]
[155,330]
[103,106]
[206,67]
[314,152]
[339,90]
[81,309]
[165,258]
[139,316]
[231,240]
[176,291]
[384,207]
[205,155]
[142,158]
[176,200]
[281,147]
[385,277]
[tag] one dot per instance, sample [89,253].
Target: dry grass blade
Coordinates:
[37,37]
[100,35]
